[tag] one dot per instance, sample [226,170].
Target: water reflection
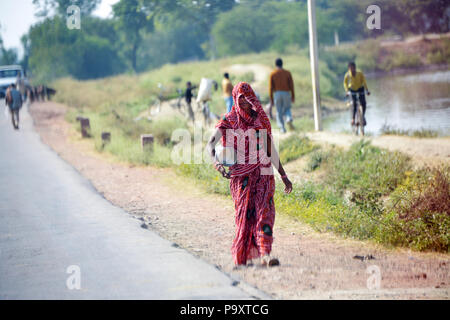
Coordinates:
[411,102]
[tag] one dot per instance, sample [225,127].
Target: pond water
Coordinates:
[407,102]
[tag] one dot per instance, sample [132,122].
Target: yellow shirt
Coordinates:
[356,81]
[227,87]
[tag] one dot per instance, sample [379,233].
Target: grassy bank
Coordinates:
[368,192]
[136,92]
[375,56]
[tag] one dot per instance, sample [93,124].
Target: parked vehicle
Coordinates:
[8,76]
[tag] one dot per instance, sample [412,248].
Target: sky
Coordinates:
[16,17]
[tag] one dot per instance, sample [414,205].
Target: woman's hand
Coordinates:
[287,184]
[221,169]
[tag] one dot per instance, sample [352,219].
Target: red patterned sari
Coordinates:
[252,191]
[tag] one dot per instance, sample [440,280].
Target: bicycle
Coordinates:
[155,106]
[358,122]
[204,109]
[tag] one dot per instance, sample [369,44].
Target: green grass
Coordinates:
[303,124]
[206,177]
[125,137]
[352,200]
[365,169]
[294,147]
[401,60]
[417,133]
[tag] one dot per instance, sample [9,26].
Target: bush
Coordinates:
[316,158]
[419,213]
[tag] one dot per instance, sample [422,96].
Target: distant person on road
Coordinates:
[354,84]
[281,92]
[21,85]
[252,181]
[14,101]
[188,97]
[227,89]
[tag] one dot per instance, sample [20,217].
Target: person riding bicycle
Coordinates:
[355,83]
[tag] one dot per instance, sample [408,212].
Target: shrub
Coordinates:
[422,206]
[316,158]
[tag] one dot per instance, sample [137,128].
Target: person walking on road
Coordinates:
[252,181]
[227,89]
[188,98]
[14,101]
[281,92]
[21,86]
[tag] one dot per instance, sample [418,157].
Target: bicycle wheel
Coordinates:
[356,122]
[361,119]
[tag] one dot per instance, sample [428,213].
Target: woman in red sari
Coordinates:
[246,129]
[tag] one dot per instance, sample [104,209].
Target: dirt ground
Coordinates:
[313,265]
[261,74]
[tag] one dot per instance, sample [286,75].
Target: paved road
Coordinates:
[51,218]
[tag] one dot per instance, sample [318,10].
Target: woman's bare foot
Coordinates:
[268,261]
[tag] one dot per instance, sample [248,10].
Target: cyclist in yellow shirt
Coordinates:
[354,84]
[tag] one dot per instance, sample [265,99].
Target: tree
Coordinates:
[55,51]
[261,25]
[243,30]
[204,14]
[425,15]
[7,56]
[60,6]
[26,43]
[133,17]
[173,42]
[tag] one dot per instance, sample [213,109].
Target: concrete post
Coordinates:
[106,138]
[85,127]
[147,142]
[314,63]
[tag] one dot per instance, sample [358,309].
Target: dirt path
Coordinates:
[313,265]
[423,151]
[260,71]
[168,108]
